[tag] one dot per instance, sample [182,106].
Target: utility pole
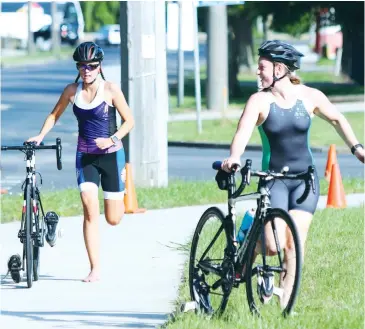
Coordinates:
[217,71]
[181,71]
[55,29]
[144,84]
[124,52]
[30,33]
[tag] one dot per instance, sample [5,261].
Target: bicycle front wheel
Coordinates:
[28,248]
[211,273]
[273,266]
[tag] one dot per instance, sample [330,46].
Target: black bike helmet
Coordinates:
[88,52]
[278,51]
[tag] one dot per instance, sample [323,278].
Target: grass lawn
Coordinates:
[327,82]
[331,293]
[177,194]
[222,131]
[38,56]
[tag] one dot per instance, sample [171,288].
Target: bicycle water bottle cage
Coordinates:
[222,179]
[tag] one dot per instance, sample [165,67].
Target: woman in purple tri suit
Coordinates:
[100,155]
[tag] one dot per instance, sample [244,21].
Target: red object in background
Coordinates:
[329,37]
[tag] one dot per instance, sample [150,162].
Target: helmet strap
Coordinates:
[275,78]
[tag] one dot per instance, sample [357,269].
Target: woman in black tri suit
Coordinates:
[283,112]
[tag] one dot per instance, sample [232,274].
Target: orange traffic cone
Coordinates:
[336,193]
[331,159]
[130,197]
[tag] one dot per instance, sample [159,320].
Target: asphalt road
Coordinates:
[29,93]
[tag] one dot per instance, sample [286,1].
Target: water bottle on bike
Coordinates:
[246,223]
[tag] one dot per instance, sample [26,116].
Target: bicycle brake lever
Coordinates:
[40,176]
[312,182]
[248,177]
[306,191]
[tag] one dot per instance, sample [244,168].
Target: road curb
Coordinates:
[250,147]
[337,99]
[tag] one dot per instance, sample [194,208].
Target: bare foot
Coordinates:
[92,277]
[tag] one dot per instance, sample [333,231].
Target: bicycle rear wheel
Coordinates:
[28,248]
[36,249]
[271,271]
[211,272]
[36,262]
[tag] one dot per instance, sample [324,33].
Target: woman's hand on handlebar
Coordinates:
[37,139]
[228,163]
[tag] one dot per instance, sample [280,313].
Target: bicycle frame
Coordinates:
[263,204]
[239,262]
[239,255]
[38,231]
[32,228]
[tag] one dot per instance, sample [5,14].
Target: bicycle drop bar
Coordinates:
[30,146]
[246,172]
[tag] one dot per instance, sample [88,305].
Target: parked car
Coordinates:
[69,33]
[43,37]
[69,18]
[108,35]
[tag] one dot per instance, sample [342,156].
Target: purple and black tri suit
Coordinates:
[94,165]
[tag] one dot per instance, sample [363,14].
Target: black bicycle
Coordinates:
[269,261]
[34,227]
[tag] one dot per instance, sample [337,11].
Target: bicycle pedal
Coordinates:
[53,231]
[14,267]
[51,217]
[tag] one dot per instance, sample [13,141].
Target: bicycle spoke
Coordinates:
[272,280]
[208,264]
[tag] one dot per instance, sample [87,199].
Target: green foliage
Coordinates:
[296,27]
[290,17]
[98,13]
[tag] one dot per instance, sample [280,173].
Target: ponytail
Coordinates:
[295,80]
[102,74]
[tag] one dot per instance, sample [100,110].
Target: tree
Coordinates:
[98,13]
[294,17]
[351,17]
[240,43]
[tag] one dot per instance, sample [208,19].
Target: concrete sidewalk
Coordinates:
[142,263]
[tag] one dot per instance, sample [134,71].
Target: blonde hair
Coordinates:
[295,80]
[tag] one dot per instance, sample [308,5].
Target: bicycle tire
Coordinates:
[297,255]
[36,249]
[36,263]
[28,236]
[200,291]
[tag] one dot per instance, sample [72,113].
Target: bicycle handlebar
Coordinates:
[30,146]
[246,173]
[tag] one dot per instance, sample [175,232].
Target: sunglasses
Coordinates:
[90,67]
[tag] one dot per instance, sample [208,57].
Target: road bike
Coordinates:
[269,264]
[35,225]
